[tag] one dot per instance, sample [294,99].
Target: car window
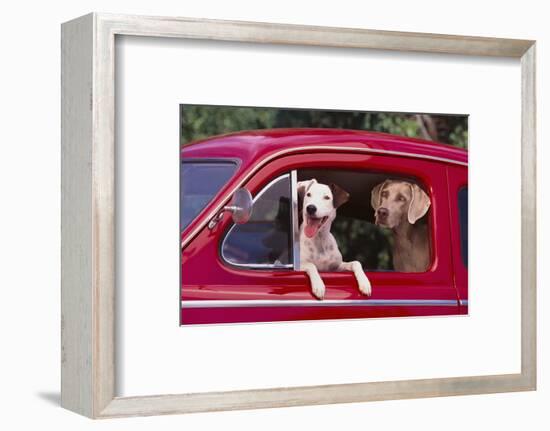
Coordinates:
[199,183]
[360,236]
[265,240]
[463,220]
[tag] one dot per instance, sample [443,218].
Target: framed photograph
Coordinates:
[265,215]
[330,208]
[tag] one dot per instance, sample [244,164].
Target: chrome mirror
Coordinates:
[240,208]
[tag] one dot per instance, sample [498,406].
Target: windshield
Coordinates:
[199,183]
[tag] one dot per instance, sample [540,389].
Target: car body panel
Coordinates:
[457,179]
[213,291]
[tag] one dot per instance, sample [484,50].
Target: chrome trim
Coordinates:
[266,187]
[464,302]
[261,265]
[295,220]
[207,303]
[229,160]
[267,159]
[257,265]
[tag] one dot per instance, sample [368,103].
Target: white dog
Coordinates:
[318,248]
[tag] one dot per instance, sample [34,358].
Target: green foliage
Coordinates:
[351,236]
[199,122]
[396,124]
[459,136]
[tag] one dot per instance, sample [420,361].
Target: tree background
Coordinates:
[351,233]
[201,121]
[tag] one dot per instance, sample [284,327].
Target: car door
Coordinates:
[216,288]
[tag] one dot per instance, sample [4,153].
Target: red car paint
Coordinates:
[265,154]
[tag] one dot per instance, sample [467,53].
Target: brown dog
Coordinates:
[398,205]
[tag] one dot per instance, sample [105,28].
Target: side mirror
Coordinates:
[240,208]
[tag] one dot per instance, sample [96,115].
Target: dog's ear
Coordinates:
[339,195]
[375,195]
[420,203]
[303,187]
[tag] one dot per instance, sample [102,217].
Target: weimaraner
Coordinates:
[398,205]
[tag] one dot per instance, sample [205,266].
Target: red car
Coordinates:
[249,272]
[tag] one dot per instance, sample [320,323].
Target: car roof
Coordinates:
[251,146]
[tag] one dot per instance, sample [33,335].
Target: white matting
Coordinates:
[155,355]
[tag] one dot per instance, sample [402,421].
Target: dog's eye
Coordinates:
[308,195]
[327,197]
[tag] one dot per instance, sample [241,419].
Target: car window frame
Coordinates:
[430,214]
[295,228]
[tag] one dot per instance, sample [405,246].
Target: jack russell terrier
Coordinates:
[318,248]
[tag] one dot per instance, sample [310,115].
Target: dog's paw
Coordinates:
[364,285]
[318,290]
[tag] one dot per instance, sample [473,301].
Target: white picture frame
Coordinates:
[88,214]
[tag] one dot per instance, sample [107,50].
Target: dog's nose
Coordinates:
[311,209]
[382,212]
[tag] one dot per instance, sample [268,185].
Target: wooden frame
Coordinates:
[88,218]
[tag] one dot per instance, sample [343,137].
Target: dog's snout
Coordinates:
[382,212]
[311,209]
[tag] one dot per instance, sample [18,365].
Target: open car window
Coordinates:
[357,234]
[199,183]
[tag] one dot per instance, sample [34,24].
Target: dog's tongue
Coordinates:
[312,226]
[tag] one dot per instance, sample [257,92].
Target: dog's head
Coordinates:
[319,203]
[395,202]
